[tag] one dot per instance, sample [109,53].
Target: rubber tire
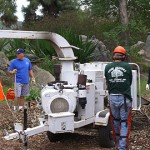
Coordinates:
[53,137]
[105,137]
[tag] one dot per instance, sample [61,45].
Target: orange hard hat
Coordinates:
[119,49]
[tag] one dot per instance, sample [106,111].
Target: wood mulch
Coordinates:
[82,139]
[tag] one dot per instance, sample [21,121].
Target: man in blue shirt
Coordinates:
[22,68]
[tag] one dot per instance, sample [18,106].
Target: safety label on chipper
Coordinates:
[99,76]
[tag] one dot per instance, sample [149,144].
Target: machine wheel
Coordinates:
[53,137]
[105,137]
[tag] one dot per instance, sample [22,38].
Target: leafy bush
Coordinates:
[84,54]
[142,86]
[133,53]
[48,64]
[136,29]
[34,94]
[14,44]
[41,48]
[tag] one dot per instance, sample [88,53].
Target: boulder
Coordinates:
[4,61]
[100,53]
[139,45]
[42,76]
[147,46]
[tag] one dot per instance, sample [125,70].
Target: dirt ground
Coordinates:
[82,139]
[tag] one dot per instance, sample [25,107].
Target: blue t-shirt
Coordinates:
[23,67]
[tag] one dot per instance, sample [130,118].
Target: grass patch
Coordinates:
[143,82]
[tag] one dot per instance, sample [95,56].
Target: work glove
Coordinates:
[147,87]
[14,71]
[33,81]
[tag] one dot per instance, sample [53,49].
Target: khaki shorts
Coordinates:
[22,89]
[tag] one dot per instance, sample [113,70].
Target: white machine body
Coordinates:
[68,104]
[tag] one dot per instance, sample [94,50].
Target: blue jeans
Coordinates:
[120,119]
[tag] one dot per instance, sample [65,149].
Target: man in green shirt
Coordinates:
[119,78]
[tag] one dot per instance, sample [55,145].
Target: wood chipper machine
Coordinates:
[77,98]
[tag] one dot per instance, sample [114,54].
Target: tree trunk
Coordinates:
[124,19]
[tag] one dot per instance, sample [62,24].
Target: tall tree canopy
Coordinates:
[137,9]
[49,7]
[127,11]
[7,12]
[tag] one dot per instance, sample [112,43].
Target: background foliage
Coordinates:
[65,17]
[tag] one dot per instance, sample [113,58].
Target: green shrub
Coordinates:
[143,85]
[48,64]
[84,54]
[34,94]
[133,54]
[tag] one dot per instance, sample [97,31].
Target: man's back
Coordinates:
[119,78]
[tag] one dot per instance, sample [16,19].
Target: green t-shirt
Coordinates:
[119,78]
